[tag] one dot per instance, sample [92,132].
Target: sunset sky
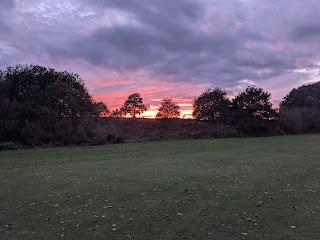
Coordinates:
[160,48]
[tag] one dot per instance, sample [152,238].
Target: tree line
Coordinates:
[42,106]
[250,111]
[134,106]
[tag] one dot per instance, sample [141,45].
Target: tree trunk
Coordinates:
[134,113]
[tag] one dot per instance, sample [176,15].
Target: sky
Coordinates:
[166,48]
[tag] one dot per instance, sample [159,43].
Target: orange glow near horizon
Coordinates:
[116,100]
[114,93]
[152,114]
[115,90]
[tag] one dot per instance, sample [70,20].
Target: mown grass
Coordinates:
[257,188]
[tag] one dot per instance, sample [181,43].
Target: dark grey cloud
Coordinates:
[7,4]
[6,7]
[224,43]
[307,31]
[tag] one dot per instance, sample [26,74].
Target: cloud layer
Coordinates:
[164,47]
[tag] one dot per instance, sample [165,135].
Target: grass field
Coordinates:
[257,188]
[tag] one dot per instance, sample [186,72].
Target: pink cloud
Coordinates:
[100,83]
[152,92]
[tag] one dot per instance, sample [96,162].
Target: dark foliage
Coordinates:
[139,130]
[168,109]
[253,114]
[10,146]
[306,96]
[212,105]
[100,109]
[40,105]
[117,113]
[300,120]
[300,110]
[134,105]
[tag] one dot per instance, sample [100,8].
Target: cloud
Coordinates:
[165,44]
[307,31]
[7,4]
[6,8]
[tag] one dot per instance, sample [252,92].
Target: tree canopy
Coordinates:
[63,94]
[306,96]
[253,112]
[101,109]
[212,104]
[117,113]
[134,105]
[168,109]
[253,100]
[36,98]
[300,109]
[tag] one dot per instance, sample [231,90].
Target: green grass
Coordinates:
[258,188]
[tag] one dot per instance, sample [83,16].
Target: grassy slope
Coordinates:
[259,188]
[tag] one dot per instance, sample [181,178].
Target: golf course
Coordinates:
[233,188]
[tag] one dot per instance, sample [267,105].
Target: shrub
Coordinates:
[300,120]
[10,146]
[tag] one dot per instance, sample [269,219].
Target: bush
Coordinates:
[300,120]
[256,127]
[138,130]
[10,146]
[41,106]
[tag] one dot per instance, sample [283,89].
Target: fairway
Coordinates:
[250,188]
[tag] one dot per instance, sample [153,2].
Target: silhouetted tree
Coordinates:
[300,109]
[253,112]
[168,109]
[35,100]
[306,96]
[62,92]
[134,105]
[100,109]
[117,113]
[212,105]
